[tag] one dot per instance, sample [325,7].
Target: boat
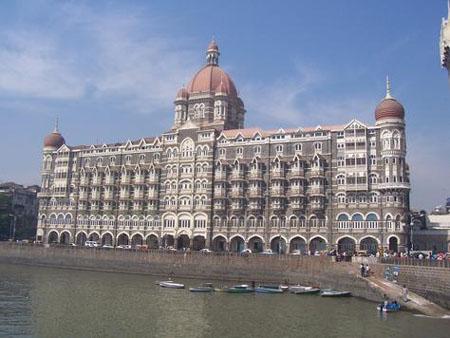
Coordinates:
[390,307]
[171,285]
[263,289]
[308,290]
[243,288]
[206,287]
[334,293]
[297,287]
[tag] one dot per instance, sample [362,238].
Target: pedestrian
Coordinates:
[405,293]
[363,270]
[367,270]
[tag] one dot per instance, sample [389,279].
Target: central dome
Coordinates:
[211,76]
[208,80]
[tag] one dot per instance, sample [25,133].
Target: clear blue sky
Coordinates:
[111,69]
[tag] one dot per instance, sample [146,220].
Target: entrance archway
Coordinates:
[278,245]
[137,240]
[393,244]
[317,244]
[53,237]
[237,244]
[198,243]
[183,242]
[347,245]
[123,239]
[220,244]
[152,242]
[298,243]
[370,245]
[65,238]
[256,244]
[81,238]
[168,240]
[94,237]
[107,239]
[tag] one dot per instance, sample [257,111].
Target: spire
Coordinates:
[56,130]
[388,89]
[212,54]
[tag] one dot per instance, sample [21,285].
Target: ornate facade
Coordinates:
[445,42]
[210,182]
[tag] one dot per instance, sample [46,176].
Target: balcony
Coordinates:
[237,193]
[296,173]
[317,172]
[138,195]
[237,175]
[356,187]
[256,193]
[296,191]
[255,175]
[109,180]
[220,193]
[83,195]
[358,225]
[277,192]
[95,195]
[317,205]
[139,179]
[255,206]
[84,181]
[219,206]
[394,185]
[316,190]
[124,195]
[125,179]
[152,194]
[277,174]
[277,206]
[152,179]
[220,176]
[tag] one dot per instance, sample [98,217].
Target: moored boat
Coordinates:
[206,287]
[243,288]
[306,291]
[171,285]
[334,293]
[390,307]
[263,289]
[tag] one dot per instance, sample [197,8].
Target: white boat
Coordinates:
[297,287]
[334,293]
[171,285]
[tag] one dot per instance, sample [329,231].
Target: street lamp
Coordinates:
[12,227]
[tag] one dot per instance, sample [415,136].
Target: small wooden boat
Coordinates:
[263,289]
[297,287]
[243,288]
[171,285]
[206,287]
[308,290]
[334,293]
[390,307]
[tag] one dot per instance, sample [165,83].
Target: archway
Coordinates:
[298,243]
[94,237]
[137,240]
[53,237]
[393,244]
[317,244]
[278,245]
[237,244]
[369,244]
[168,240]
[183,242]
[220,244]
[81,238]
[256,244]
[123,239]
[152,242]
[107,239]
[347,245]
[65,238]
[198,243]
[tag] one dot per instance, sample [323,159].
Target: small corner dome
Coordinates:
[182,94]
[389,108]
[54,140]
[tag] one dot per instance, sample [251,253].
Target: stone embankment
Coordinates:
[306,270]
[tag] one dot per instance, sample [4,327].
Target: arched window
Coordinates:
[340,179]
[187,148]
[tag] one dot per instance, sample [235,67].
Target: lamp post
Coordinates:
[411,228]
[12,227]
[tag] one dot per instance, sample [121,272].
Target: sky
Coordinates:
[110,70]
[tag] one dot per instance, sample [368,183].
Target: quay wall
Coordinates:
[431,283]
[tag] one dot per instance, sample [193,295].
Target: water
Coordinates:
[45,302]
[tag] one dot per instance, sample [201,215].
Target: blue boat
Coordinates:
[389,307]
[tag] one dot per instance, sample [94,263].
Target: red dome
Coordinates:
[389,108]
[54,140]
[209,78]
[182,94]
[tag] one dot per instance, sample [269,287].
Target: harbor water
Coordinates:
[48,302]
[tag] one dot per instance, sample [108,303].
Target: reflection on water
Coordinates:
[46,302]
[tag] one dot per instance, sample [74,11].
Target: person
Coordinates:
[367,270]
[363,270]
[405,293]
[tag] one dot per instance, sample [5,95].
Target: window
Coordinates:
[340,180]
[128,159]
[239,151]
[279,148]
[222,152]
[318,146]
[341,145]
[298,147]
[341,198]
[257,150]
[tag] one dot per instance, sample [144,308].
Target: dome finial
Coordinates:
[212,54]
[56,130]
[388,88]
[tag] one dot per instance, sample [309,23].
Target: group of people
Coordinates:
[365,270]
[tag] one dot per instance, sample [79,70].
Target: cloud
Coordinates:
[124,59]
[298,101]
